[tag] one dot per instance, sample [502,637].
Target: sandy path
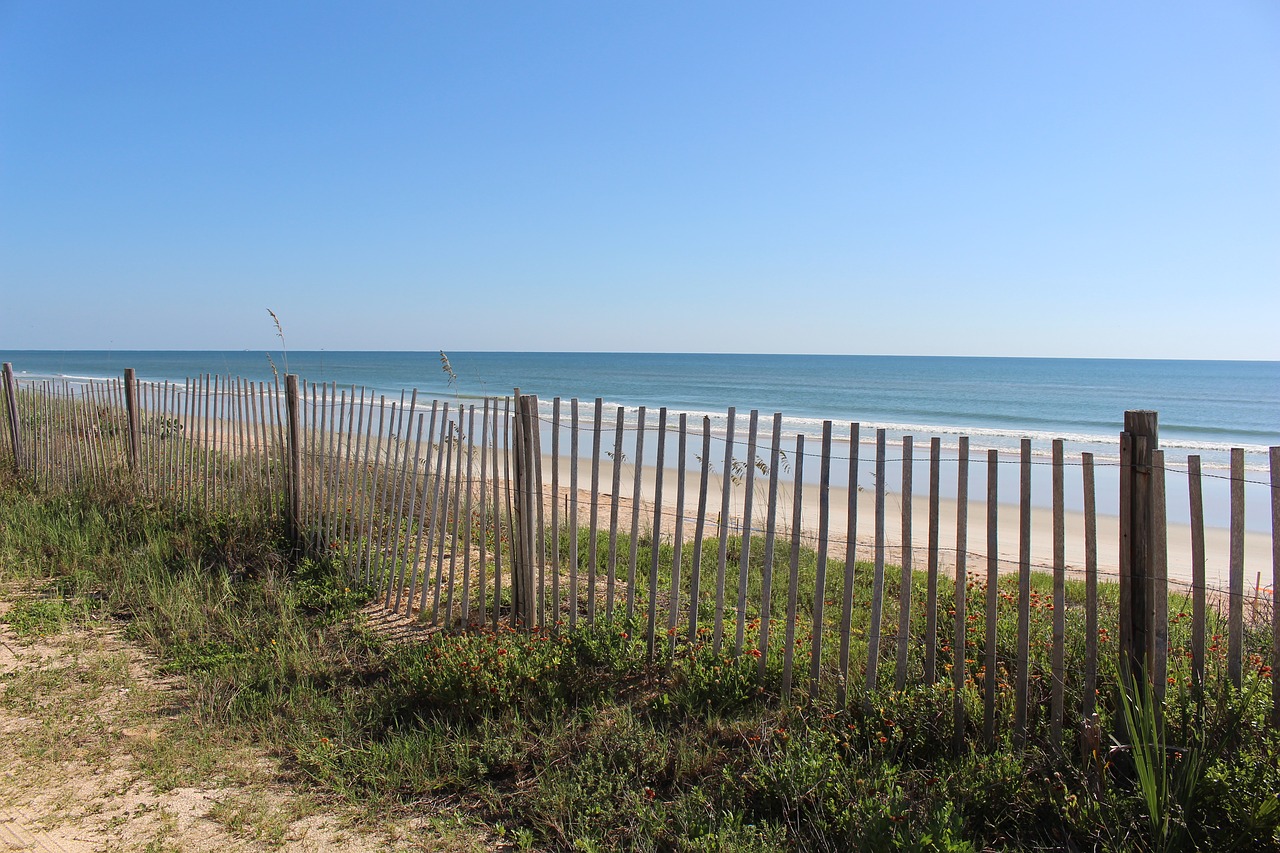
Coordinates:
[100,754]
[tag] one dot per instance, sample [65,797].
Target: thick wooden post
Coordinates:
[1138,443]
[293,491]
[523,595]
[131,411]
[15,425]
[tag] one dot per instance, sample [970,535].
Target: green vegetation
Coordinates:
[584,740]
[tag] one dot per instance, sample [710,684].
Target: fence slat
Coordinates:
[41,401]
[62,431]
[329,429]
[656,538]
[71,455]
[959,647]
[48,468]
[221,494]
[84,426]
[428,497]
[555,510]
[1159,581]
[636,492]
[76,448]
[1090,586]
[521,525]
[399,485]
[699,531]
[1059,668]
[793,582]
[206,491]
[877,583]
[295,459]
[51,435]
[308,451]
[1274,459]
[397,574]
[677,548]
[498,488]
[931,589]
[820,576]
[770,534]
[440,529]
[573,512]
[1196,498]
[278,422]
[993,597]
[14,422]
[619,425]
[850,564]
[509,492]
[373,456]
[408,481]
[904,587]
[1024,594]
[185,452]
[351,526]
[482,570]
[726,495]
[346,473]
[75,434]
[378,506]
[267,405]
[522,571]
[342,427]
[132,417]
[1235,613]
[376,488]
[349,463]
[539,510]
[84,432]
[466,515]
[592,556]
[455,517]
[397,502]
[744,559]
[254,455]
[182,451]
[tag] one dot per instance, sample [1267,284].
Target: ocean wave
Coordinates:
[812,427]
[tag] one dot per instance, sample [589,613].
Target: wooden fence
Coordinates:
[505,513]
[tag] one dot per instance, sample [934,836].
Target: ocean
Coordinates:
[1205,407]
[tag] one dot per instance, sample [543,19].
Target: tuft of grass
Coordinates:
[38,617]
[284,350]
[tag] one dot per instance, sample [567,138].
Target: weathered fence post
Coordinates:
[293,491]
[522,546]
[15,430]
[1274,459]
[1138,443]
[131,412]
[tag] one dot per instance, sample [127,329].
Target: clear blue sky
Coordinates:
[994,178]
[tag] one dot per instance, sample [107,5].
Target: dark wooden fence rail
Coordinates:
[451,512]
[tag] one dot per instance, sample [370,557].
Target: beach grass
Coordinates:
[583,739]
